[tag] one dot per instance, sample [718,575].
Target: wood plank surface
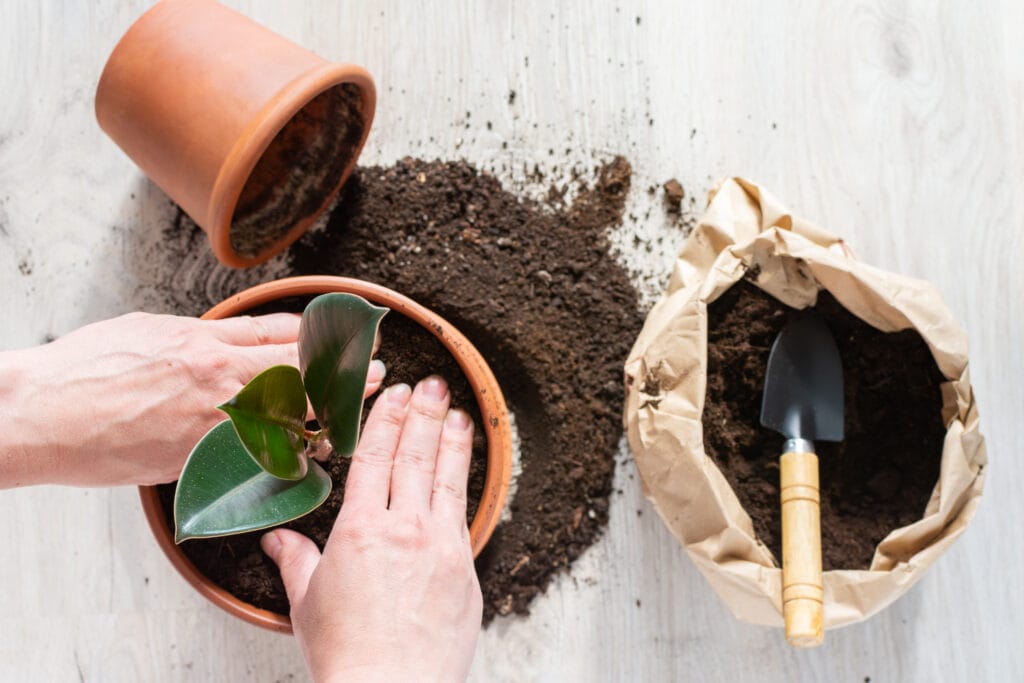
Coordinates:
[895,124]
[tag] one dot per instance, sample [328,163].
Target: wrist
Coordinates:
[369,673]
[22,457]
[383,672]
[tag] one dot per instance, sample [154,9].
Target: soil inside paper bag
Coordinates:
[879,478]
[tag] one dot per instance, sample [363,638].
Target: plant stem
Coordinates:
[318,448]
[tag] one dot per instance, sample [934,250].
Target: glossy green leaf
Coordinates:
[269,415]
[335,348]
[223,491]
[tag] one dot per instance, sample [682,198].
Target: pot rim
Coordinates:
[256,138]
[486,390]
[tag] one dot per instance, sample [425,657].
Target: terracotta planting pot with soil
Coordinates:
[490,413]
[250,134]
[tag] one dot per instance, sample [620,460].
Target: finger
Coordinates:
[412,477]
[296,557]
[448,499]
[374,377]
[369,475]
[256,359]
[246,330]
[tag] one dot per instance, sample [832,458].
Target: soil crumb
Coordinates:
[673,195]
[880,477]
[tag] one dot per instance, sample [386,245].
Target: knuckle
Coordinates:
[390,417]
[454,562]
[260,333]
[415,457]
[408,533]
[211,366]
[428,411]
[291,560]
[451,491]
[373,453]
[460,443]
[353,535]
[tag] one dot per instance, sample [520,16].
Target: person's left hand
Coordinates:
[123,401]
[394,596]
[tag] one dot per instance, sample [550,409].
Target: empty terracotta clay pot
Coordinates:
[249,133]
[490,400]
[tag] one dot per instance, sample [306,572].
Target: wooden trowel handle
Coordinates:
[802,593]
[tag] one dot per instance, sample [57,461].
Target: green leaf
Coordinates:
[222,491]
[269,415]
[335,348]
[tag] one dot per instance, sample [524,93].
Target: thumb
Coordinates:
[296,557]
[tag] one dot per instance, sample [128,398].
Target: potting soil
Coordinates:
[532,285]
[879,478]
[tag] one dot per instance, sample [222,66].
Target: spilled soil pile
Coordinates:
[531,284]
[879,478]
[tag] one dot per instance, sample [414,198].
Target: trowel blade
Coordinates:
[803,386]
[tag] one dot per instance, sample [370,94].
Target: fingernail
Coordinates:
[377,371]
[398,394]
[271,544]
[435,388]
[457,419]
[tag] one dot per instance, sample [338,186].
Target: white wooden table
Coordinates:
[896,125]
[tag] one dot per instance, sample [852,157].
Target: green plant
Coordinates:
[255,470]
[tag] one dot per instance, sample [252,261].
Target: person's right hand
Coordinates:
[123,401]
[395,596]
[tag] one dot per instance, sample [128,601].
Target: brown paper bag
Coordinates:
[745,227]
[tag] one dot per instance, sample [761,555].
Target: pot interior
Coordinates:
[299,170]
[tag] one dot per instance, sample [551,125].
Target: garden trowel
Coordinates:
[803,400]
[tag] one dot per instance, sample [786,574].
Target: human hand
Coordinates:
[124,400]
[395,595]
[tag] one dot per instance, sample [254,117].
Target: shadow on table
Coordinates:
[169,267]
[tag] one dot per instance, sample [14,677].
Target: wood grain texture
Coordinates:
[895,124]
[802,592]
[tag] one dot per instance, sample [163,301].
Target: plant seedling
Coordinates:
[255,470]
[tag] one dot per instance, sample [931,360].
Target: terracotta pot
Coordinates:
[488,394]
[249,133]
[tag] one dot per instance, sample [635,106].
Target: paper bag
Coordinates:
[746,228]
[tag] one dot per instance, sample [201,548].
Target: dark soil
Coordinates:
[531,284]
[880,477]
[300,168]
[237,564]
